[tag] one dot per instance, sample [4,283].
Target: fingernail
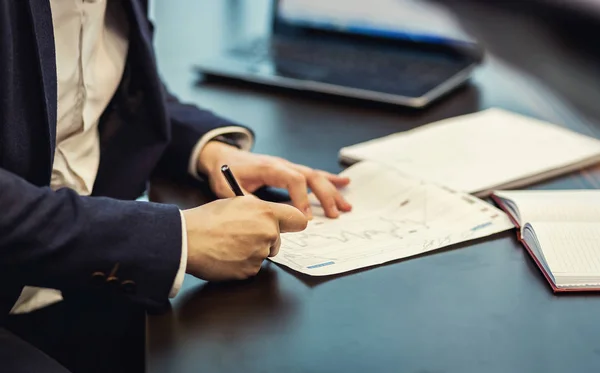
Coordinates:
[335,211]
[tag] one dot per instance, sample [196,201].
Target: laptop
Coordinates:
[392,51]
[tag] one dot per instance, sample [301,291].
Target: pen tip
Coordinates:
[224,168]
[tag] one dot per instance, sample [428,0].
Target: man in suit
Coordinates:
[84,122]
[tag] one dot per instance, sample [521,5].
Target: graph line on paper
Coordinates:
[386,227]
[393,217]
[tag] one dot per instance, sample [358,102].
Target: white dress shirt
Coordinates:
[91,40]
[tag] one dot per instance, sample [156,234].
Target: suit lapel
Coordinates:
[41,16]
[140,25]
[141,31]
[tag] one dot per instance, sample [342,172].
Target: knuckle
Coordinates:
[297,178]
[264,164]
[321,173]
[249,200]
[270,234]
[273,236]
[251,203]
[312,175]
[266,253]
[266,212]
[274,249]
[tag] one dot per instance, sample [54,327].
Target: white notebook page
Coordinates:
[555,205]
[393,217]
[571,251]
[479,152]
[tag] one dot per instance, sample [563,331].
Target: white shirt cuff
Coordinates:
[183,262]
[240,135]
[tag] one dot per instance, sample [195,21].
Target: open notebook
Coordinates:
[561,231]
[481,152]
[393,217]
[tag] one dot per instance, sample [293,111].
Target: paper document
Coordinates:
[477,153]
[393,217]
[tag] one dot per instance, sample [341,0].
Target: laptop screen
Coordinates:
[414,20]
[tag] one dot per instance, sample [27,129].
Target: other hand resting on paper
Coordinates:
[253,171]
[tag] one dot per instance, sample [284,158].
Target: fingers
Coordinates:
[326,194]
[282,176]
[296,179]
[324,186]
[342,204]
[338,181]
[290,218]
[270,233]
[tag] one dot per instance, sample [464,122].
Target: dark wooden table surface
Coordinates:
[481,307]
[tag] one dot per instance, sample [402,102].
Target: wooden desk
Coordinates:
[482,307]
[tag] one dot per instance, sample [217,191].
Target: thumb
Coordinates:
[290,218]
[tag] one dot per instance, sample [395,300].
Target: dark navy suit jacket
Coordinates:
[59,239]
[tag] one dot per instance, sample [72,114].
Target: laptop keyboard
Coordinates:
[400,72]
[368,61]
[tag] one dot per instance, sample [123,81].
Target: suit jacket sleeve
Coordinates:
[58,239]
[188,125]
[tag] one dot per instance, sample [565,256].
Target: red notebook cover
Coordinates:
[556,289]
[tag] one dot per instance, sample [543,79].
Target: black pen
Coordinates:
[232,181]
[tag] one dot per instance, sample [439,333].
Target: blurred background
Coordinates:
[191,31]
[547,48]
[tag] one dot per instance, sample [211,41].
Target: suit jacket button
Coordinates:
[98,279]
[129,287]
[112,282]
